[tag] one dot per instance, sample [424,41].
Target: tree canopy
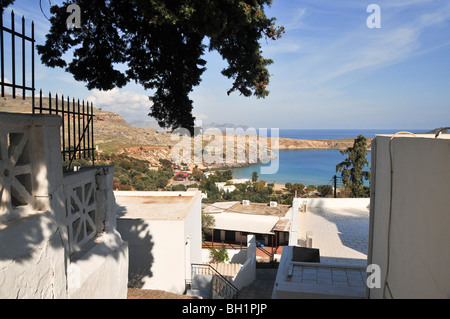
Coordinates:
[352,167]
[159,44]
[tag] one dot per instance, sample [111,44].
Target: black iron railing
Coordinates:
[24,39]
[220,285]
[77,126]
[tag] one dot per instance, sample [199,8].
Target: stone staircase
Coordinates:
[229,271]
[213,281]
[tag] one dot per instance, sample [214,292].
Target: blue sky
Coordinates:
[330,70]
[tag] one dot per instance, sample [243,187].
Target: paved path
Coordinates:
[261,287]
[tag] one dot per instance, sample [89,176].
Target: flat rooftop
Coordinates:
[340,233]
[154,205]
[245,223]
[317,280]
[257,218]
[263,209]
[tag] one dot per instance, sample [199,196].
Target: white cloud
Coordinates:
[364,50]
[122,102]
[201,116]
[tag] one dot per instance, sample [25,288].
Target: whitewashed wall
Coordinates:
[37,258]
[415,233]
[161,251]
[247,273]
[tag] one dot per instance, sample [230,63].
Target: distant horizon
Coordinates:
[208,123]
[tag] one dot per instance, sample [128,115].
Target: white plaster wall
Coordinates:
[419,236]
[102,272]
[161,251]
[247,274]
[293,231]
[193,234]
[32,259]
[156,250]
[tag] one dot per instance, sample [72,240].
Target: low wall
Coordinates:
[247,274]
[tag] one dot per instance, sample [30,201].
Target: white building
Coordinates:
[57,231]
[234,222]
[163,230]
[222,186]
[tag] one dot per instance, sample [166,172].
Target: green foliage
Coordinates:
[219,255]
[258,192]
[166,164]
[5,3]
[208,223]
[219,176]
[325,190]
[178,188]
[352,168]
[159,44]
[254,177]
[131,173]
[197,174]
[296,187]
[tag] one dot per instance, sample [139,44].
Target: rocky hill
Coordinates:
[113,135]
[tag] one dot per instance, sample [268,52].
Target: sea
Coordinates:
[310,167]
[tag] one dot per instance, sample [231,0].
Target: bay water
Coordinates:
[310,167]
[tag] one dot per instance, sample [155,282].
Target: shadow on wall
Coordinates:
[140,245]
[44,225]
[239,258]
[28,223]
[20,239]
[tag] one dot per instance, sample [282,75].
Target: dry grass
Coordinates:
[135,293]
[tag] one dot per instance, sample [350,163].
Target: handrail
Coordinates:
[220,290]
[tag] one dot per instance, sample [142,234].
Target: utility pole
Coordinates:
[335,184]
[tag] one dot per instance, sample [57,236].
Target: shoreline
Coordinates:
[289,144]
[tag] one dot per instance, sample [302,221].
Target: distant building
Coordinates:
[234,221]
[240,180]
[181,176]
[224,187]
